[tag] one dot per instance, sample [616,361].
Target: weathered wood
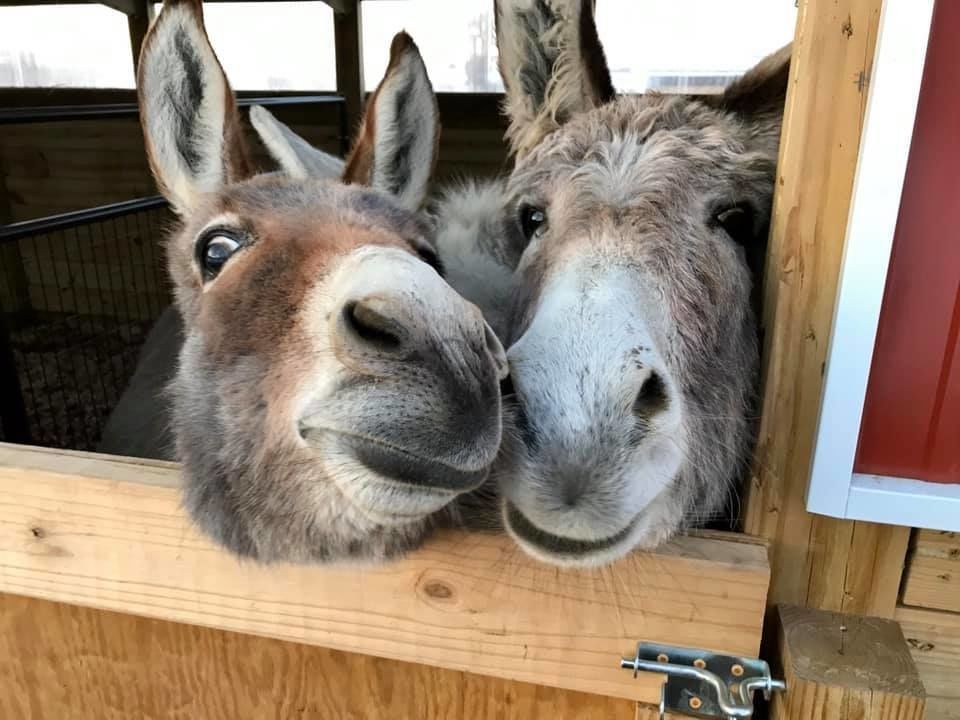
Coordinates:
[59,661]
[844,667]
[110,534]
[933,572]
[348,40]
[816,561]
[934,641]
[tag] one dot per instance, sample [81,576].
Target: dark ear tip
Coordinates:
[402,42]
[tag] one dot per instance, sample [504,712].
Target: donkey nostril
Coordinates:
[652,397]
[371,326]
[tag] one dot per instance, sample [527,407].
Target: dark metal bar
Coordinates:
[15,231]
[56,113]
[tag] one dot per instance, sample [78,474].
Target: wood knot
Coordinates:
[438,590]
[38,532]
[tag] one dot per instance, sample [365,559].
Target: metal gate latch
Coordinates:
[703,684]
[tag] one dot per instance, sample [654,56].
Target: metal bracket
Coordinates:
[704,684]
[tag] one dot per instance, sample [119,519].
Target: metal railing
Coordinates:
[79,292]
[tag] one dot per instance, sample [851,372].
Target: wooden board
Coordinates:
[932,578]
[70,663]
[816,561]
[844,667]
[934,641]
[104,533]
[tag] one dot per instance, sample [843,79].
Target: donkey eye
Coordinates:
[532,221]
[215,251]
[737,222]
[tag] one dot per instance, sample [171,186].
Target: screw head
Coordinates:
[700,663]
[695,703]
[663,657]
[737,670]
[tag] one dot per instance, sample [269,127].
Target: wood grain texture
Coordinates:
[934,641]
[69,663]
[932,578]
[104,533]
[844,667]
[816,561]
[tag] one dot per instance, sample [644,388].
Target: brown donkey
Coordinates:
[632,337]
[332,392]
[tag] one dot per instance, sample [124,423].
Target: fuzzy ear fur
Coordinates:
[189,116]
[396,146]
[296,157]
[759,96]
[552,64]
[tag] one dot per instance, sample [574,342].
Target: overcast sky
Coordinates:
[290,45]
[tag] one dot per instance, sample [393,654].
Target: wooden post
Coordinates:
[845,667]
[816,561]
[139,22]
[349,48]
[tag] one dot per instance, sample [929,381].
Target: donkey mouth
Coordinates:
[406,468]
[557,545]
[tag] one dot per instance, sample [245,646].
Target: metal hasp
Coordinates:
[703,684]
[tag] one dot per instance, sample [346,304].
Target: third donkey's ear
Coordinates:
[552,64]
[295,156]
[396,145]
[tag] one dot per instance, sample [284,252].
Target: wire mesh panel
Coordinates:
[78,294]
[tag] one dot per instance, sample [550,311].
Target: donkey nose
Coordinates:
[374,323]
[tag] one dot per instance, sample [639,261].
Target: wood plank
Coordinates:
[934,641]
[933,571]
[61,661]
[105,533]
[816,561]
[844,667]
[348,40]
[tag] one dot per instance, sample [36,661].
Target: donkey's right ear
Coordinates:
[396,146]
[189,116]
[552,64]
[298,158]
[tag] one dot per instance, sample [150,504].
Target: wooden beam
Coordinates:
[138,23]
[110,534]
[933,572]
[816,561]
[934,641]
[844,667]
[60,661]
[348,40]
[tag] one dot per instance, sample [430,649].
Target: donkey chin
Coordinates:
[641,508]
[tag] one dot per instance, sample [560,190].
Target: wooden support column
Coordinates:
[844,667]
[139,22]
[349,47]
[816,561]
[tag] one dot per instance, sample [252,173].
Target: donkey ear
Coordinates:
[298,158]
[189,116]
[396,146]
[552,64]
[761,92]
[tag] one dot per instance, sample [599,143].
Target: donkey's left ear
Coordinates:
[396,146]
[189,115]
[296,157]
[760,94]
[552,64]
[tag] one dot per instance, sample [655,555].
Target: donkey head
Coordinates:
[633,341]
[332,391]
